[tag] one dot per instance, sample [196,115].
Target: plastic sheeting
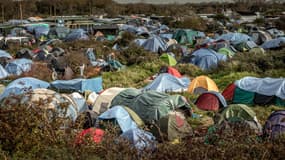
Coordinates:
[264,86]
[23,85]
[77,34]
[4,54]
[167,83]
[206,58]
[121,116]
[274,43]
[235,38]
[18,66]
[78,85]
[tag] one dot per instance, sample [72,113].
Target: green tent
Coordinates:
[280,102]
[243,97]
[171,127]
[185,36]
[237,112]
[226,51]
[170,60]
[150,105]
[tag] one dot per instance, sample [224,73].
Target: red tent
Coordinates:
[228,93]
[174,72]
[208,101]
[97,135]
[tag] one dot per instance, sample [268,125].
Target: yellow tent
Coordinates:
[202,83]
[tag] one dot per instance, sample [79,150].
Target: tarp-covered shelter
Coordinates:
[19,66]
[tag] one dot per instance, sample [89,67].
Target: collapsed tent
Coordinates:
[274,43]
[22,85]
[235,38]
[261,91]
[155,44]
[150,105]
[78,85]
[77,34]
[121,117]
[19,66]
[167,83]
[211,100]
[172,127]
[206,59]
[201,84]
[41,31]
[275,125]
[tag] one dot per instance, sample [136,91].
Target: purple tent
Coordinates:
[275,124]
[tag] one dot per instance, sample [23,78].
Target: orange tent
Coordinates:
[202,83]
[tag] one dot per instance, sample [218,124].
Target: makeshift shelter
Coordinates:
[41,31]
[274,43]
[4,54]
[76,34]
[275,125]
[121,117]
[150,105]
[22,85]
[19,66]
[103,102]
[206,59]
[140,139]
[167,83]
[211,101]
[171,127]
[58,32]
[201,84]
[167,58]
[261,91]
[174,72]
[155,44]
[235,38]
[78,85]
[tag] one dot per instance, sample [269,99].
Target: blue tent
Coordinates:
[3,72]
[22,85]
[41,30]
[139,41]
[4,54]
[155,44]
[167,83]
[121,116]
[78,85]
[77,34]
[207,58]
[18,66]
[128,28]
[140,139]
[274,43]
[235,38]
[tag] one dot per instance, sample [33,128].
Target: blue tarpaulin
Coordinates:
[121,116]
[206,58]
[235,38]
[167,83]
[18,66]
[78,85]
[22,85]
[3,72]
[264,86]
[4,54]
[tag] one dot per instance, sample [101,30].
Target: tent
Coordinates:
[174,72]
[235,38]
[78,85]
[167,58]
[236,113]
[155,44]
[121,117]
[4,54]
[274,43]
[105,98]
[275,124]
[3,72]
[23,85]
[245,46]
[226,51]
[275,33]
[96,134]
[260,37]
[201,84]
[187,36]
[171,127]
[140,139]
[206,59]
[211,100]
[18,66]
[150,105]
[41,31]
[76,34]
[167,83]
[25,53]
